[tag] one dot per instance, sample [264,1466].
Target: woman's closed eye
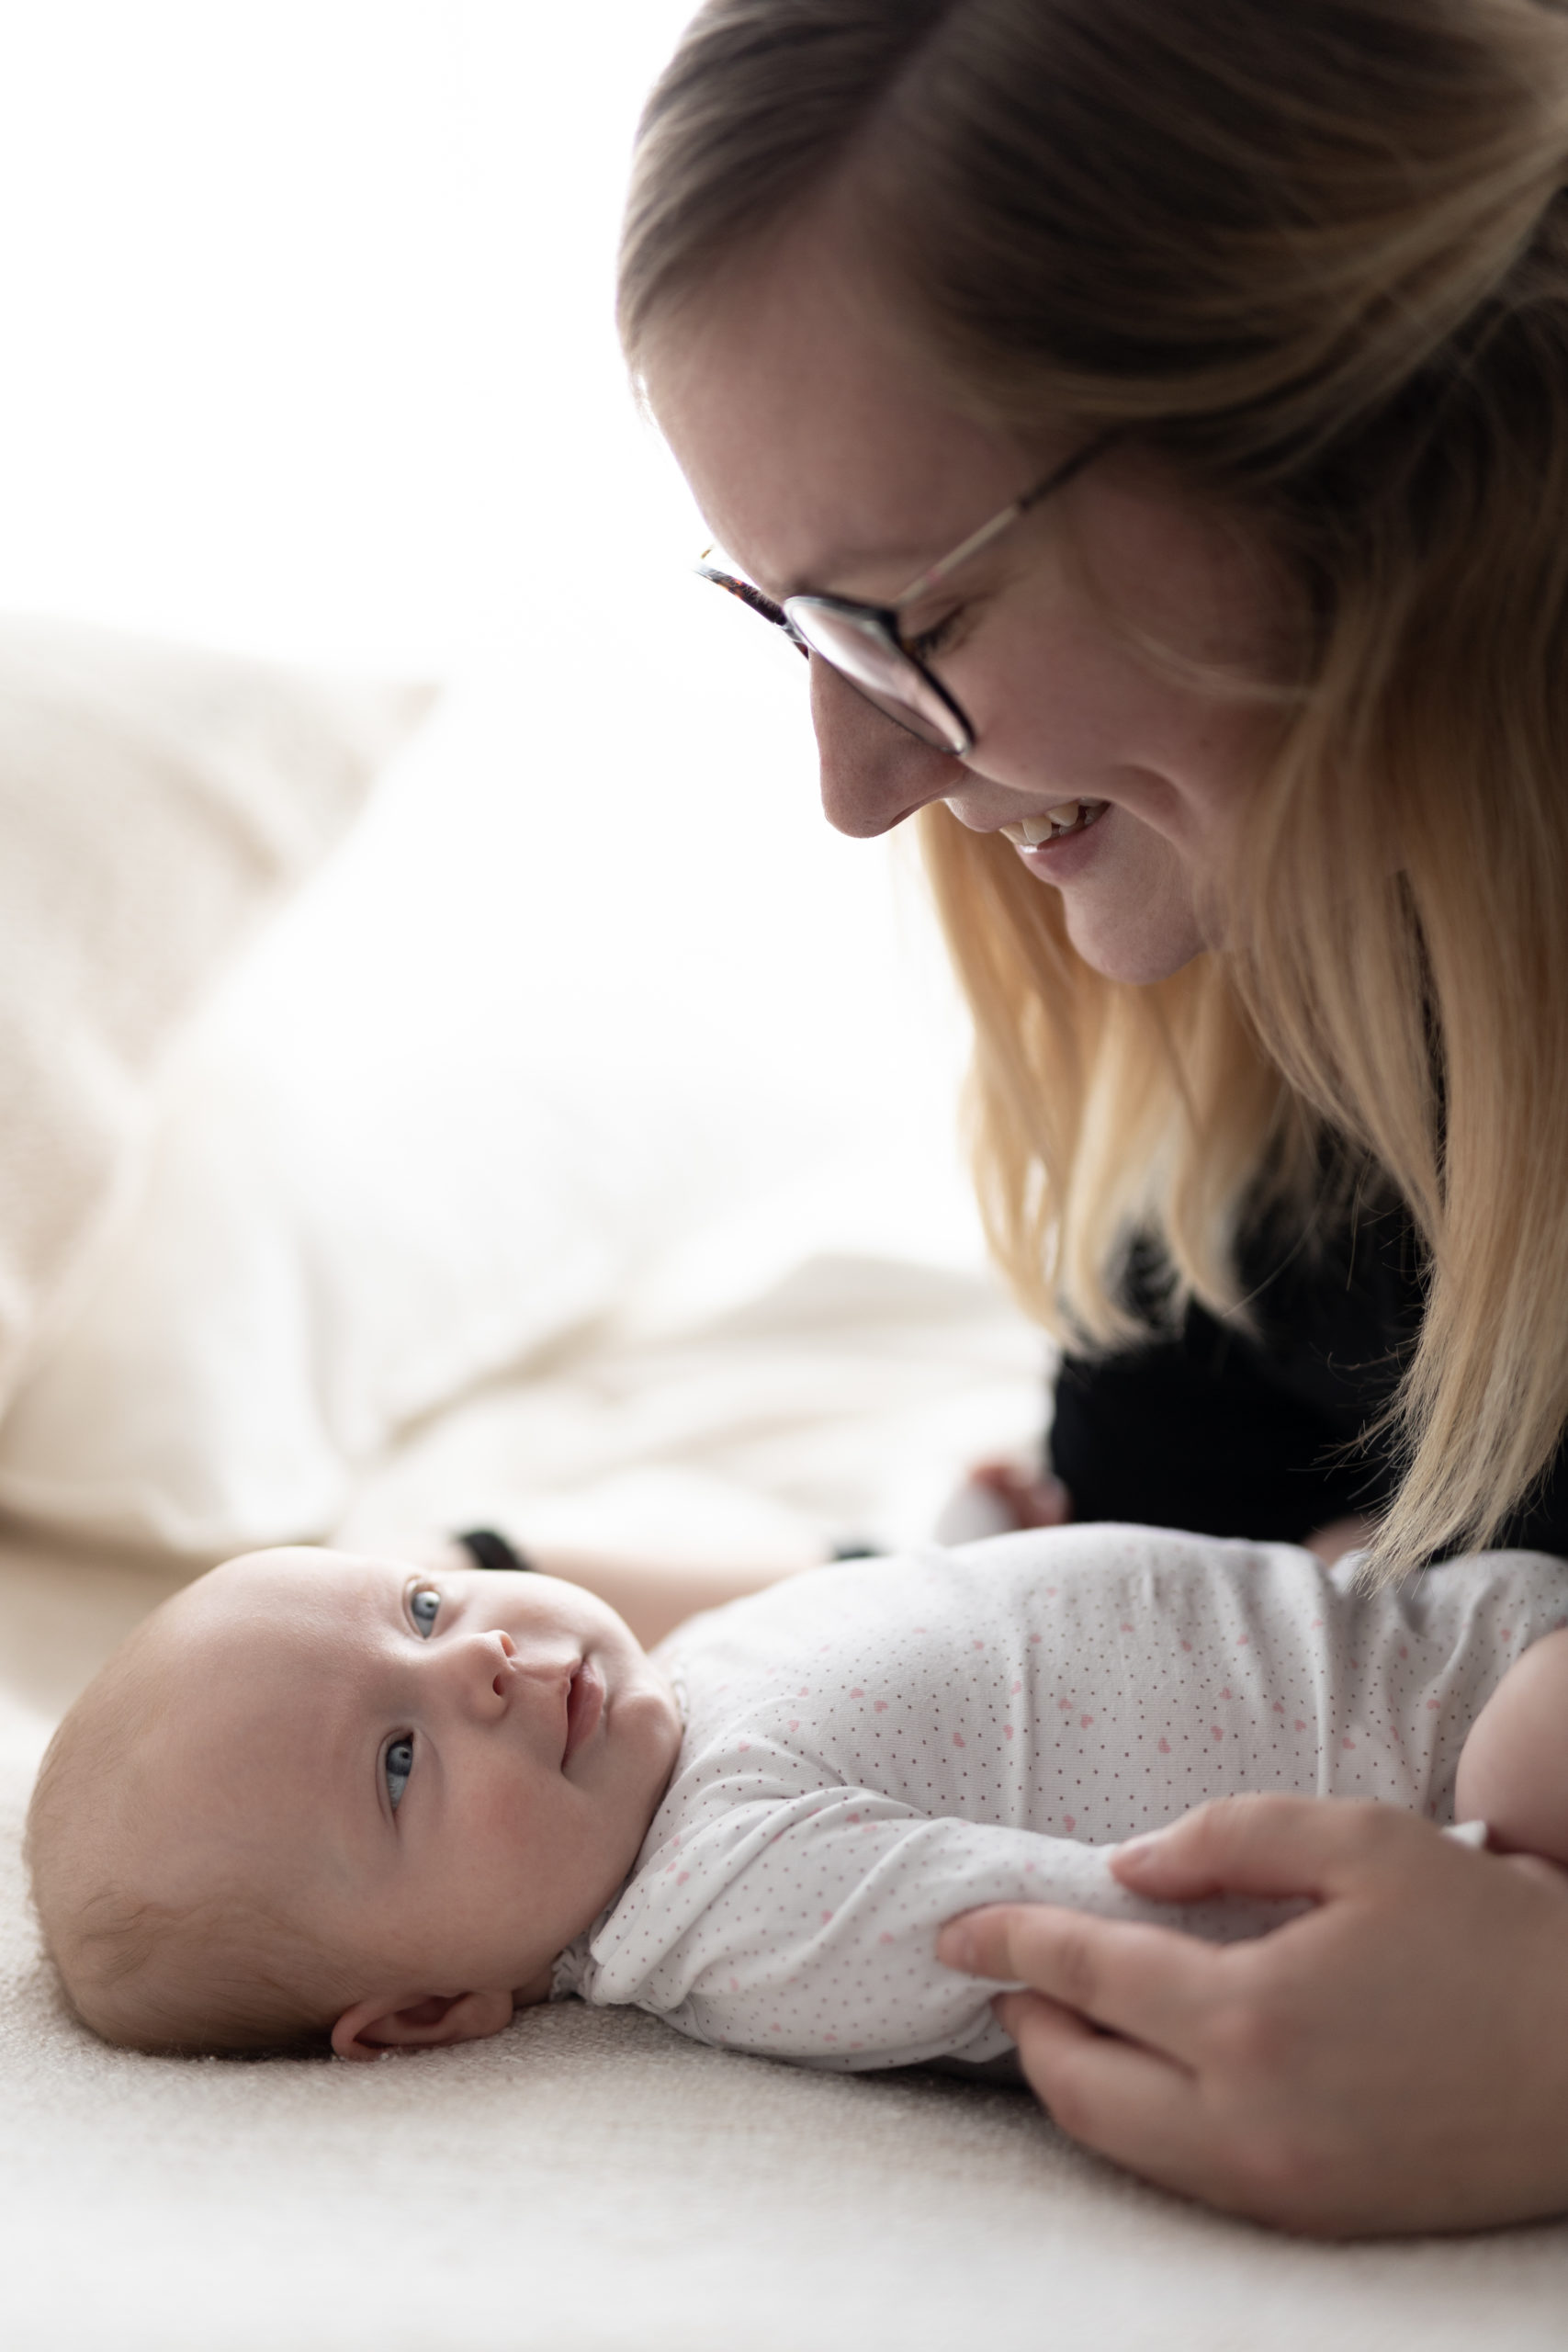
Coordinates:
[397,1763]
[930,641]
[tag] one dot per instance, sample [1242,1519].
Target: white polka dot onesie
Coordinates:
[872,1748]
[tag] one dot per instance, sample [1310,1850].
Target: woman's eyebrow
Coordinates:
[906,564]
[903,556]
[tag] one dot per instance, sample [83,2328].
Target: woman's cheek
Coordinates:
[1134,917]
[1057,711]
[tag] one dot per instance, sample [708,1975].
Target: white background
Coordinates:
[308,314]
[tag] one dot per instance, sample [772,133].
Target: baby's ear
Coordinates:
[401,2022]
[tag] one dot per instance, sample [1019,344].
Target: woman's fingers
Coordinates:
[1153,1985]
[1395,2059]
[1128,2103]
[1264,1846]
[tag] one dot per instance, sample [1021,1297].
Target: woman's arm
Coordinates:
[1513,1768]
[1394,2060]
[1026,1501]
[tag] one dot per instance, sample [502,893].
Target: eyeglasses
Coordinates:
[863,642]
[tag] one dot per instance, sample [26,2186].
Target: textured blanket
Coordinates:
[592,2181]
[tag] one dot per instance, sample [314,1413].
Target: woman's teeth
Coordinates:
[1067,817]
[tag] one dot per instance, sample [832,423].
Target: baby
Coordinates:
[317,1795]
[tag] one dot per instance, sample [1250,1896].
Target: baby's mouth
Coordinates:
[1067,817]
[584,1705]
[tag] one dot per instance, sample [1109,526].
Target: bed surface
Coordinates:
[591,2180]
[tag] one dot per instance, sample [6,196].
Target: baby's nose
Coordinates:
[476,1670]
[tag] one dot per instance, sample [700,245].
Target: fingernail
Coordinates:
[1135,1851]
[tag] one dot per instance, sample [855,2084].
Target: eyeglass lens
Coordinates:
[857,645]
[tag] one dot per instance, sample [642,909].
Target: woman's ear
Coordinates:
[400,2021]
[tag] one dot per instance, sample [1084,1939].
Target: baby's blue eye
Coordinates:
[424,1607]
[398,1764]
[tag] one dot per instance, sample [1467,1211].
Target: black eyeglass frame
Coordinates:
[880,622]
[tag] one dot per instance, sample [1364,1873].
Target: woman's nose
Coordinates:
[875,773]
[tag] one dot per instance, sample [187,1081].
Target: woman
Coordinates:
[1153,418]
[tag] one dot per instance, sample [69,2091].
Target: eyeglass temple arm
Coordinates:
[938,573]
[748,595]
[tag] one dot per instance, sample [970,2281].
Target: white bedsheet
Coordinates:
[838,1402]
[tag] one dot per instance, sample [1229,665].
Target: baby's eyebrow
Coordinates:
[349,1742]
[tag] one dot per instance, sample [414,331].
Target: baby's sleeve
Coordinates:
[811,1934]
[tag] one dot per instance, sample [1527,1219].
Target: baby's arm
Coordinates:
[652,1593]
[1512,1768]
[808,1929]
[654,1596]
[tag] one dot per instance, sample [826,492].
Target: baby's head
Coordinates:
[319,1794]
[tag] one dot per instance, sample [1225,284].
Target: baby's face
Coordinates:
[446,1777]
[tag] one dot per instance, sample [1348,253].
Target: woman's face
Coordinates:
[824,457]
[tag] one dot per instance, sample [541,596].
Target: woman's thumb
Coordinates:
[1264,1844]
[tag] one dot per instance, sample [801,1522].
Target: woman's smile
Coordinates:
[1057,846]
[1067,817]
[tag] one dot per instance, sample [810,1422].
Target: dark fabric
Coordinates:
[487,1549]
[1222,1433]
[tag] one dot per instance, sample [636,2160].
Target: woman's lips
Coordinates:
[584,1705]
[1055,847]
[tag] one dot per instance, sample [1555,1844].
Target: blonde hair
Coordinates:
[1315,258]
[215,1973]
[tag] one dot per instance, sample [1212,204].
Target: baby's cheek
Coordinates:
[507,1818]
[530,1832]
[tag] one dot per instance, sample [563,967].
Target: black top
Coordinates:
[1222,1433]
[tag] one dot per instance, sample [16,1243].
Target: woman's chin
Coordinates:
[1132,943]
[1130,907]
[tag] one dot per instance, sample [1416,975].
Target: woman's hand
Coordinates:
[1022,1499]
[1395,2060]
[1000,1498]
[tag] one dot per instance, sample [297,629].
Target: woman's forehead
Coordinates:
[814,432]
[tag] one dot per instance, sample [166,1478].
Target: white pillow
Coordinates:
[326,1250]
[154,802]
[456,1115]
[375,1182]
